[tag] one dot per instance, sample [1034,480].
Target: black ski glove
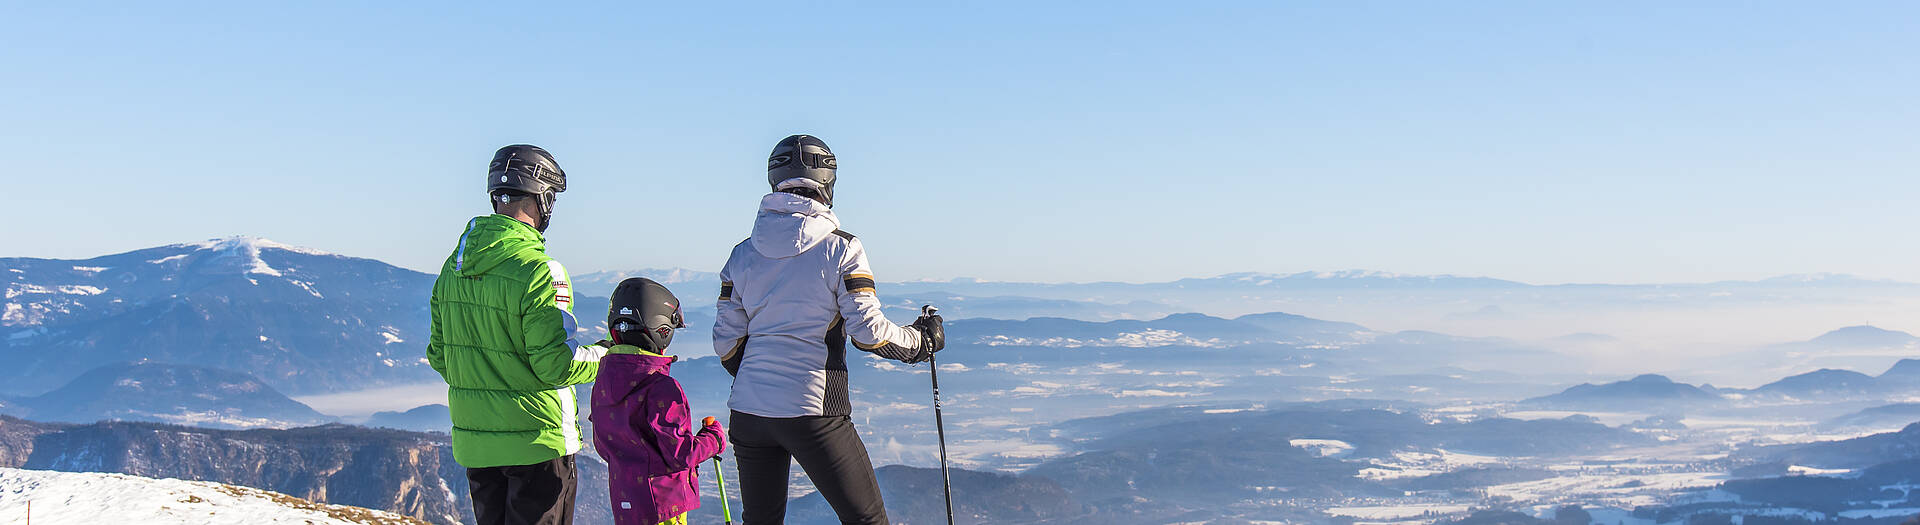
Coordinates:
[933,335]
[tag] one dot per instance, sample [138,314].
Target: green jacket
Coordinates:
[503,340]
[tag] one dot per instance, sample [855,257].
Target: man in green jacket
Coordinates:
[503,340]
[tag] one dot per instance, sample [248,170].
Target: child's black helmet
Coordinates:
[644,313]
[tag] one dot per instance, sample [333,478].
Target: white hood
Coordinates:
[789,225]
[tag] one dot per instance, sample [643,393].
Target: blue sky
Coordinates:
[1539,141]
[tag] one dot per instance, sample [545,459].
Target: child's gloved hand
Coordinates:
[713,425]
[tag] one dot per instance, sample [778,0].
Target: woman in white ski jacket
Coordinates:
[790,298]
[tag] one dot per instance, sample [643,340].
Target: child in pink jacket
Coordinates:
[641,424]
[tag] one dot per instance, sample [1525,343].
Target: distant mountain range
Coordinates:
[428,418]
[1653,391]
[1861,452]
[1860,337]
[608,280]
[1377,280]
[1342,279]
[1822,383]
[1853,348]
[1646,391]
[310,322]
[304,322]
[1173,330]
[1894,415]
[1831,384]
[1254,292]
[904,306]
[301,320]
[179,394]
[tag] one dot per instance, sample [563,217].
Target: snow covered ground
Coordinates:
[1394,513]
[1325,448]
[89,498]
[1625,486]
[1411,464]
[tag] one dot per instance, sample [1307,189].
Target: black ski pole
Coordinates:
[939,425]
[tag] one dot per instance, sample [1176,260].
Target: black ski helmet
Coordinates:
[644,314]
[803,157]
[525,169]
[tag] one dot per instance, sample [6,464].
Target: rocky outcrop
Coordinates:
[16,439]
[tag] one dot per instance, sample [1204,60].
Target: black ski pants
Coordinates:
[827,447]
[537,494]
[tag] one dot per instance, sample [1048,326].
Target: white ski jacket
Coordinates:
[790,297]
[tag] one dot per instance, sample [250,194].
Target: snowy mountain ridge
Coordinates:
[247,251]
[39,291]
[302,320]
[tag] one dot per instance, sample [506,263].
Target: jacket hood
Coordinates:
[789,225]
[493,239]
[626,368]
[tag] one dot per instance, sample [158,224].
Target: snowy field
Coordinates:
[1397,513]
[90,498]
[1625,486]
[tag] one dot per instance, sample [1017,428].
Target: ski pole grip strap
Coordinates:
[926,346]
